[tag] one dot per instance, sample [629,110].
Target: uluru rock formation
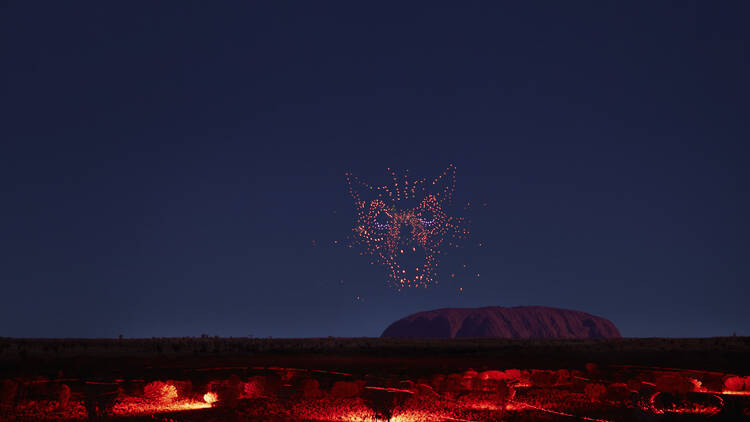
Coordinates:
[501,322]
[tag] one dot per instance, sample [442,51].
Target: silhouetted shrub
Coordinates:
[595,391]
[309,388]
[618,392]
[229,392]
[734,383]
[675,384]
[345,389]
[8,391]
[160,392]
[63,396]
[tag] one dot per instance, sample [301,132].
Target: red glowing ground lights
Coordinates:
[390,232]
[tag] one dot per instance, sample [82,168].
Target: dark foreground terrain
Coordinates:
[373,379]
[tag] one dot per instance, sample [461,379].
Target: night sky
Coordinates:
[177,168]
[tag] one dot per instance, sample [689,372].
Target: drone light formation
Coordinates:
[389,231]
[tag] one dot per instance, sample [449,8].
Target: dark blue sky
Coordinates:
[165,166]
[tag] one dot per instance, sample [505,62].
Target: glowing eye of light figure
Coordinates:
[384,229]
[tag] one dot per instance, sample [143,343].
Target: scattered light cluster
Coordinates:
[390,232]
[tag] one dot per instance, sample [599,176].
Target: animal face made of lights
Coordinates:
[394,235]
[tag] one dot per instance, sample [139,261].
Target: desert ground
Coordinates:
[375,379]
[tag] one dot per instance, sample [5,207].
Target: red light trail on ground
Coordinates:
[306,394]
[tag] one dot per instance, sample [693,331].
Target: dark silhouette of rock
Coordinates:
[500,322]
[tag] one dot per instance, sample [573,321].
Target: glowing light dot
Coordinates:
[210,397]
